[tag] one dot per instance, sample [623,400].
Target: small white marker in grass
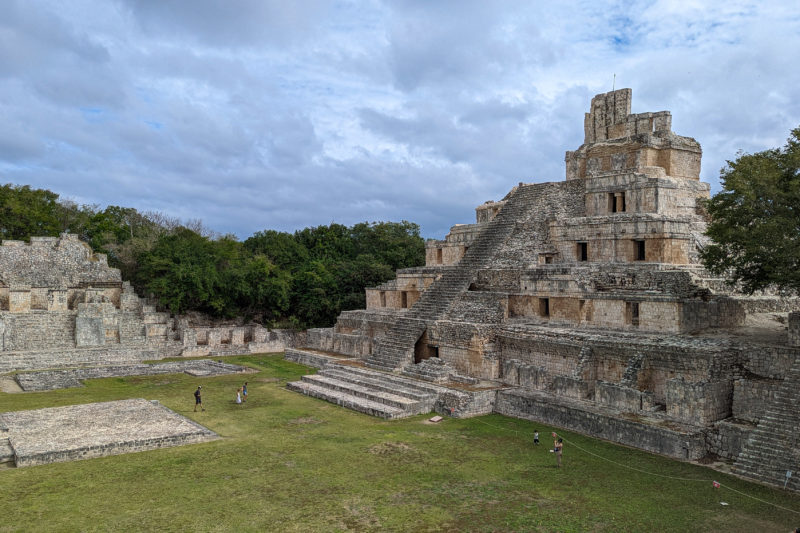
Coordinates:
[436,418]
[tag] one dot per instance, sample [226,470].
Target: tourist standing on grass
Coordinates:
[536,437]
[198,400]
[239,396]
[244,392]
[558,446]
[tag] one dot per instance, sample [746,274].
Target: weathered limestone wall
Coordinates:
[231,340]
[615,241]
[404,291]
[466,347]
[616,140]
[751,396]
[455,244]
[610,426]
[38,330]
[650,192]
[699,403]
[727,438]
[54,262]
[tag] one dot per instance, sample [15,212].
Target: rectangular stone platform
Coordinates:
[92,430]
[62,379]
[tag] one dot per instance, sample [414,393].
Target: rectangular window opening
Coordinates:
[404,299]
[639,250]
[582,251]
[439,256]
[632,313]
[544,307]
[383,299]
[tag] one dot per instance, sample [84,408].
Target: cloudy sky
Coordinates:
[255,114]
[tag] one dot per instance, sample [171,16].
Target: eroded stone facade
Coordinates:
[61,305]
[585,301]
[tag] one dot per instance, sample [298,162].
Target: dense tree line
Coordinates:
[299,279]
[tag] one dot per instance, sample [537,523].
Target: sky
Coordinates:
[261,114]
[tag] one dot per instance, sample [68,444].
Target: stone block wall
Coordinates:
[751,397]
[699,403]
[623,398]
[557,358]
[609,426]
[19,300]
[726,439]
[614,241]
[650,192]
[466,347]
[487,211]
[572,387]
[38,330]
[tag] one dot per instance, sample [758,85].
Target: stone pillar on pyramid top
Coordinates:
[617,141]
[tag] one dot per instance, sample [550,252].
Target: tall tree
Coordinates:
[755,220]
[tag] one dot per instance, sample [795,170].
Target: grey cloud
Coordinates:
[234,24]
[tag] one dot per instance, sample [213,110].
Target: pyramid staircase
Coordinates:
[773,447]
[395,350]
[369,391]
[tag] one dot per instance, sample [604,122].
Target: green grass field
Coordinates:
[287,462]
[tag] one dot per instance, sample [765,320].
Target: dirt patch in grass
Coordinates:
[266,380]
[360,516]
[390,448]
[306,420]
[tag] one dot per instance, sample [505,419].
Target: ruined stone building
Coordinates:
[61,305]
[582,304]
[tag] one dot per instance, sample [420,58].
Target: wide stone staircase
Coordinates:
[773,447]
[396,349]
[368,391]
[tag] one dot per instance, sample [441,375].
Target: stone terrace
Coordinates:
[75,432]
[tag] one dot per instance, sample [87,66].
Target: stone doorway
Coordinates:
[423,349]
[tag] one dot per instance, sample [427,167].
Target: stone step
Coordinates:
[349,401]
[381,383]
[395,379]
[362,391]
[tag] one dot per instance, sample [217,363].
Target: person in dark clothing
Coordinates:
[198,400]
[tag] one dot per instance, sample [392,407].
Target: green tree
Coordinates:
[315,298]
[755,220]
[26,212]
[181,271]
[281,248]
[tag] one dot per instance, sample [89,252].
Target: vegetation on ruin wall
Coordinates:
[299,280]
[755,219]
[287,462]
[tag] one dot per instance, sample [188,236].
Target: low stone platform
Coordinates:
[64,379]
[93,430]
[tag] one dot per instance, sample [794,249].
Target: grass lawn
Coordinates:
[287,462]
